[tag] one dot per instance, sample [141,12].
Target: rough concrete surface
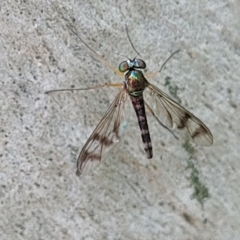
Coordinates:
[185,191]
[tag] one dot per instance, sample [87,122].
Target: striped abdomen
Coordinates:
[138,104]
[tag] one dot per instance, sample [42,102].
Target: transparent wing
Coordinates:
[180,118]
[106,134]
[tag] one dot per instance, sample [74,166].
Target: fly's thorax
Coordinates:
[135,82]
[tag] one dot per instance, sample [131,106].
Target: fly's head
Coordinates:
[131,65]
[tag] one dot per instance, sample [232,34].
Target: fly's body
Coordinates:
[135,84]
[109,130]
[138,104]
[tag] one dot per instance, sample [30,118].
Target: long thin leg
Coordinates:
[89,88]
[155,73]
[129,39]
[96,54]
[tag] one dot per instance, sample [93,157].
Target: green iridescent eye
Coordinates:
[123,66]
[139,63]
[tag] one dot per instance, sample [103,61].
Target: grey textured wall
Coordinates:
[187,192]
